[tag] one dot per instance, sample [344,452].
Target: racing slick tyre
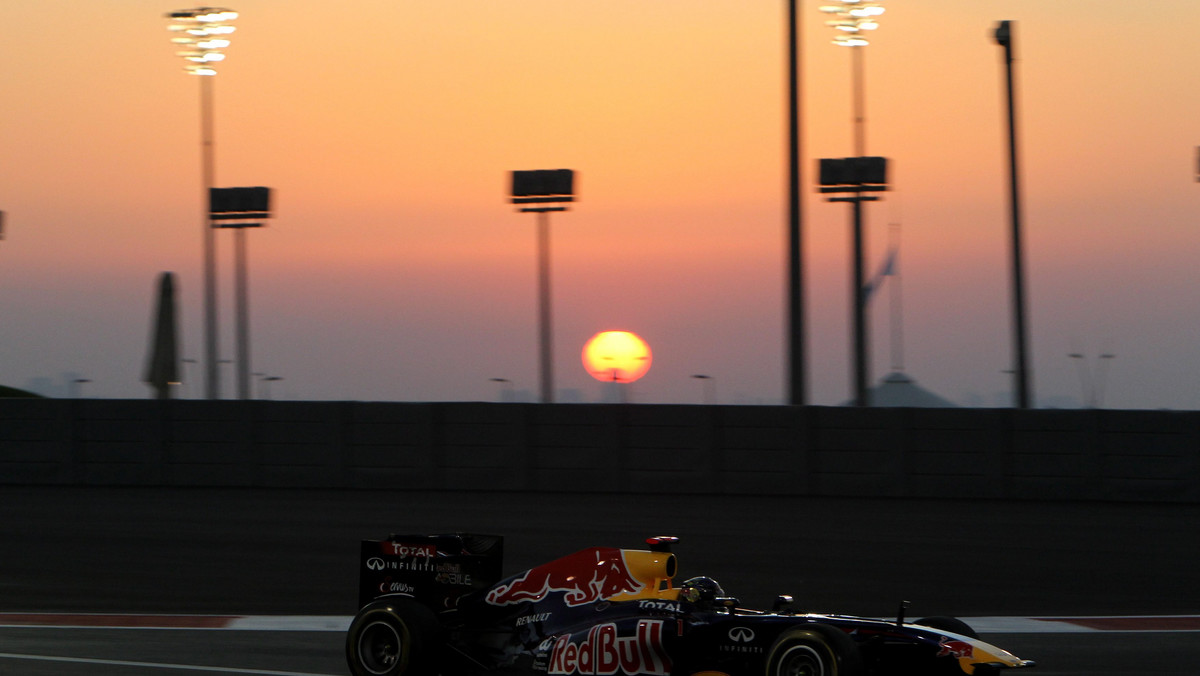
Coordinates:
[945,623]
[814,650]
[391,637]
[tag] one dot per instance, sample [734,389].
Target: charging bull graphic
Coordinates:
[949,647]
[583,577]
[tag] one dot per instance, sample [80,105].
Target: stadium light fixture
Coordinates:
[201,34]
[851,18]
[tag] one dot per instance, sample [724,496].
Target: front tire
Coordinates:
[814,650]
[391,638]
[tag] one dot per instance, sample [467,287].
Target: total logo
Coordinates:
[407,550]
[604,652]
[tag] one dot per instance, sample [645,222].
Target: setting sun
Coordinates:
[616,356]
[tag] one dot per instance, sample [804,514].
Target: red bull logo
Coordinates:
[583,577]
[958,649]
[604,652]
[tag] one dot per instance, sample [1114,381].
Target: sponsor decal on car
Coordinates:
[743,638]
[415,565]
[583,577]
[603,651]
[390,587]
[408,551]
[536,617]
[659,607]
[949,647]
[741,635]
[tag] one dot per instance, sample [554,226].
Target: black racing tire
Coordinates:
[391,637]
[946,623]
[814,650]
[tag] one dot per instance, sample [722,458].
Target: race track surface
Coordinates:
[293,553]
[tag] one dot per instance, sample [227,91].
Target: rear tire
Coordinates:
[391,637]
[814,650]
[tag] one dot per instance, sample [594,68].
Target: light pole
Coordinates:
[856,175]
[1024,390]
[540,187]
[201,34]
[797,358]
[241,208]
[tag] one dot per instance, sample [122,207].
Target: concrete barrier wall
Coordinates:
[911,453]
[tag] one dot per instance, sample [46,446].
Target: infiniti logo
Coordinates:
[375,563]
[741,635]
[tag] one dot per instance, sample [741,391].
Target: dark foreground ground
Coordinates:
[294,551]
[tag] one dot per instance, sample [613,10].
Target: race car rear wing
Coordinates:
[433,569]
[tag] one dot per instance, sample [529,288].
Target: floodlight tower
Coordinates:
[201,34]
[851,18]
[539,187]
[858,174]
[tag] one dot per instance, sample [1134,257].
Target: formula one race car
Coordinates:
[436,604]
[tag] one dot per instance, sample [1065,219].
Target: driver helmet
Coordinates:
[700,591]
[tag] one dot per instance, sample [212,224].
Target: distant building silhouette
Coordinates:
[899,390]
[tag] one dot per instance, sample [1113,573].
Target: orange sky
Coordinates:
[396,270]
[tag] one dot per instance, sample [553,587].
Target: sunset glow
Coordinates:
[395,267]
[616,356]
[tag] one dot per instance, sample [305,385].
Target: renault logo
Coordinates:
[741,635]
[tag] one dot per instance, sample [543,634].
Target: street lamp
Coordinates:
[265,389]
[710,387]
[1093,391]
[506,389]
[201,34]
